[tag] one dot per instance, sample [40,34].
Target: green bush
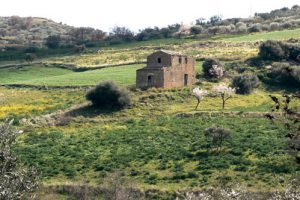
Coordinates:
[109,95]
[284,74]
[208,68]
[272,50]
[245,84]
[277,50]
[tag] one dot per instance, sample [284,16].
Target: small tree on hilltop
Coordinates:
[199,94]
[218,135]
[225,92]
[15,179]
[109,95]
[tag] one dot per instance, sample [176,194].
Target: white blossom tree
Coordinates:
[216,71]
[225,92]
[199,94]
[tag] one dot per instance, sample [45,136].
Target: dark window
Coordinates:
[150,80]
[179,60]
[186,60]
[159,60]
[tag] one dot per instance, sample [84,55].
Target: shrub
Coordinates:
[196,30]
[286,25]
[255,28]
[245,84]
[265,27]
[271,50]
[284,74]
[274,26]
[218,135]
[212,68]
[53,41]
[29,57]
[277,50]
[108,94]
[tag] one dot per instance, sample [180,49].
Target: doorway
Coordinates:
[150,80]
[186,79]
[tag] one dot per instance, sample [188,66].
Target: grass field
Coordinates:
[52,76]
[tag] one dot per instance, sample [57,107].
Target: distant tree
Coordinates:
[201,21]
[98,35]
[218,135]
[225,92]
[122,33]
[196,30]
[15,179]
[79,35]
[53,41]
[199,94]
[215,19]
[30,57]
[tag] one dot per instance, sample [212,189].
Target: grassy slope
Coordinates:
[275,35]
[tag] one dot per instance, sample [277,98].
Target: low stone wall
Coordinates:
[226,114]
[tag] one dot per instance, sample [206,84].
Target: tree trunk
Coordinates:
[197,104]
[223,103]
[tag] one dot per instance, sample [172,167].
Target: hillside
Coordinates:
[33,31]
[29,31]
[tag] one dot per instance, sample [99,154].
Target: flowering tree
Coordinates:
[199,94]
[225,92]
[216,71]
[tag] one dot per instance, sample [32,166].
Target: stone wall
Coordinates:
[152,60]
[143,74]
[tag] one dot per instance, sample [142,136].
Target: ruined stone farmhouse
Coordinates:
[166,69]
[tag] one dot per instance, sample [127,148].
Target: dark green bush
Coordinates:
[272,50]
[208,68]
[109,95]
[285,75]
[277,50]
[245,84]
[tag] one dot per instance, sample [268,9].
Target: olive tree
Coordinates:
[218,135]
[15,179]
